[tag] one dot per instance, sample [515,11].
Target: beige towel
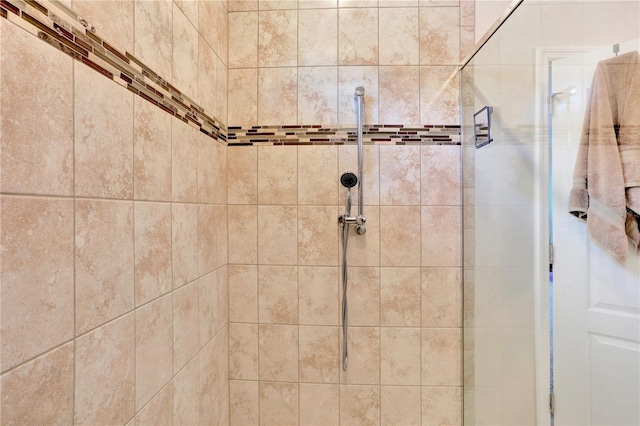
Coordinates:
[606,184]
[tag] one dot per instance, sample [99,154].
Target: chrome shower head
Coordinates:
[348,180]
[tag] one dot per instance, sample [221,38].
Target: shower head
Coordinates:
[566,92]
[348,180]
[359,91]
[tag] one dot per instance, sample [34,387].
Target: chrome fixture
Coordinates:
[349,180]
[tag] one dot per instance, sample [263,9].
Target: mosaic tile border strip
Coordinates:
[318,135]
[65,30]
[68,32]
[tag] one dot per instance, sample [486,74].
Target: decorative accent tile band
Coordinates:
[68,32]
[65,30]
[317,135]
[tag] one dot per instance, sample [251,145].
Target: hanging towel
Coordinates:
[606,177]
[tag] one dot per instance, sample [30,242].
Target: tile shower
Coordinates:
[153,274]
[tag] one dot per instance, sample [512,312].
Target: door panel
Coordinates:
[596,300]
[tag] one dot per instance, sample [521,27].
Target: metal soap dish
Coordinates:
[482,126]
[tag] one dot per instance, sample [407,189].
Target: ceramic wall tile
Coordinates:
[35,159]
[364,296]
[441,175]
[153,276]
[279,403]
[242,5]
[207,173]
[277,294]
[207,238]
[439,95]
[277,244]
[186,402]
[153,349]
[364,356]
[184,162]
[243,40]
[348,162]
[350,77]
[46,383]
[159,410]
[184,219]
[400,239]
[277,86]
[364,250]
[360,405]
[208,379]
[243,355]
[277,38]
[317,95]
[441,405]
[104,261]
[185,325]
[103,136]
[185,51]
[243,293]
[398,3]
[114,18]
[277,174]
[244,397]
[189,8]
[400,175]
[223,298]
[317,236]
[243,174]
[358,36]
[222,87]
[400,297]
[317,36]
[399,102]
[277,4]
[221,173]
[278,352]
[318,290]
[467,41]
[106,356]
[207,24]
[441,352]
[400,405]
[319,359]
[317,175]
[243,234]
[441,297]
[441,242]
[151,152]
[243,97]
[399,36]
[153,40]
[208,307]
[400,356]
[222,25]
[37,277]
[318,404]
[317,4]
[207,94]
[439,35]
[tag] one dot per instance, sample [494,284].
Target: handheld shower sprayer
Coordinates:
[348,180]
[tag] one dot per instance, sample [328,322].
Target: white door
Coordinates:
[596,300]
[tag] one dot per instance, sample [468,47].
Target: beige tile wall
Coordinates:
[116,216]
[299,61]
[285,287]
[113,282]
